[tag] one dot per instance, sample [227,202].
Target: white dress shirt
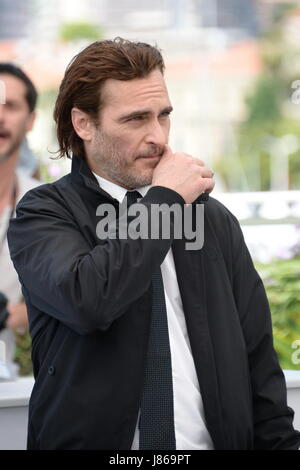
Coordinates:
[190,428]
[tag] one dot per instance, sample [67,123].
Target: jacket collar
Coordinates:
[82,175]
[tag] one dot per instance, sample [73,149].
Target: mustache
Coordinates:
[153,152]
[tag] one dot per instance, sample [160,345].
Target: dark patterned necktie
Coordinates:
[157,413]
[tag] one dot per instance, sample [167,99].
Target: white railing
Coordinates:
[270,221]
[14,399]
[263,207]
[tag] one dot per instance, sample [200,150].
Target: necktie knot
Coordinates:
[132,197]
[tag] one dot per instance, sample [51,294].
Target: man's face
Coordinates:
[15,117]
[133,130]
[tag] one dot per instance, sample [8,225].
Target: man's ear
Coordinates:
[82,124]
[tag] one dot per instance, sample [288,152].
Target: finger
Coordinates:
[206,172]
[209,185]
[199,162]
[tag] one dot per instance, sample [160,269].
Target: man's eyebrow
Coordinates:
[143,112]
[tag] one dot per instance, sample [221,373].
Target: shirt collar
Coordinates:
[116,191]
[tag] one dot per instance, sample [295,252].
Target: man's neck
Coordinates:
[7,181]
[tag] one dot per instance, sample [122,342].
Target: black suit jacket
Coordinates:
[89,304]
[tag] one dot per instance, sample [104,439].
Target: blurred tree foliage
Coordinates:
[282,282]
[23,353]
[78,30]
[268,113]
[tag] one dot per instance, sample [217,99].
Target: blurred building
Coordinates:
[20,18]
[14,19]
[230,15]
[209,48]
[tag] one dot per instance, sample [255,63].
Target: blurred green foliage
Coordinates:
[282,282]
[264,103]
[78,30]
[23,353]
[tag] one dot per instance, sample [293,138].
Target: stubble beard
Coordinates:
[113,163]
[4,156]
[11,150]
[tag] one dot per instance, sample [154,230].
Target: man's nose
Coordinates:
[157,134]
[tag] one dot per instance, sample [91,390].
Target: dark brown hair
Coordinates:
[119,59]
[31,93]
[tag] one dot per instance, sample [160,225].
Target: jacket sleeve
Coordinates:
[84,287]
[273,419]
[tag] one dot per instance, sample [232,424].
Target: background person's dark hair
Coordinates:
[31,93]
[119,59]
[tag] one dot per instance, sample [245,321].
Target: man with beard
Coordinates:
[17,115]
[140,343]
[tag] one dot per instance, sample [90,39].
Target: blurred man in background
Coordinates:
[17,117]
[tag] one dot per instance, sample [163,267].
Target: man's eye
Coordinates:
[166,114]
[136,118]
